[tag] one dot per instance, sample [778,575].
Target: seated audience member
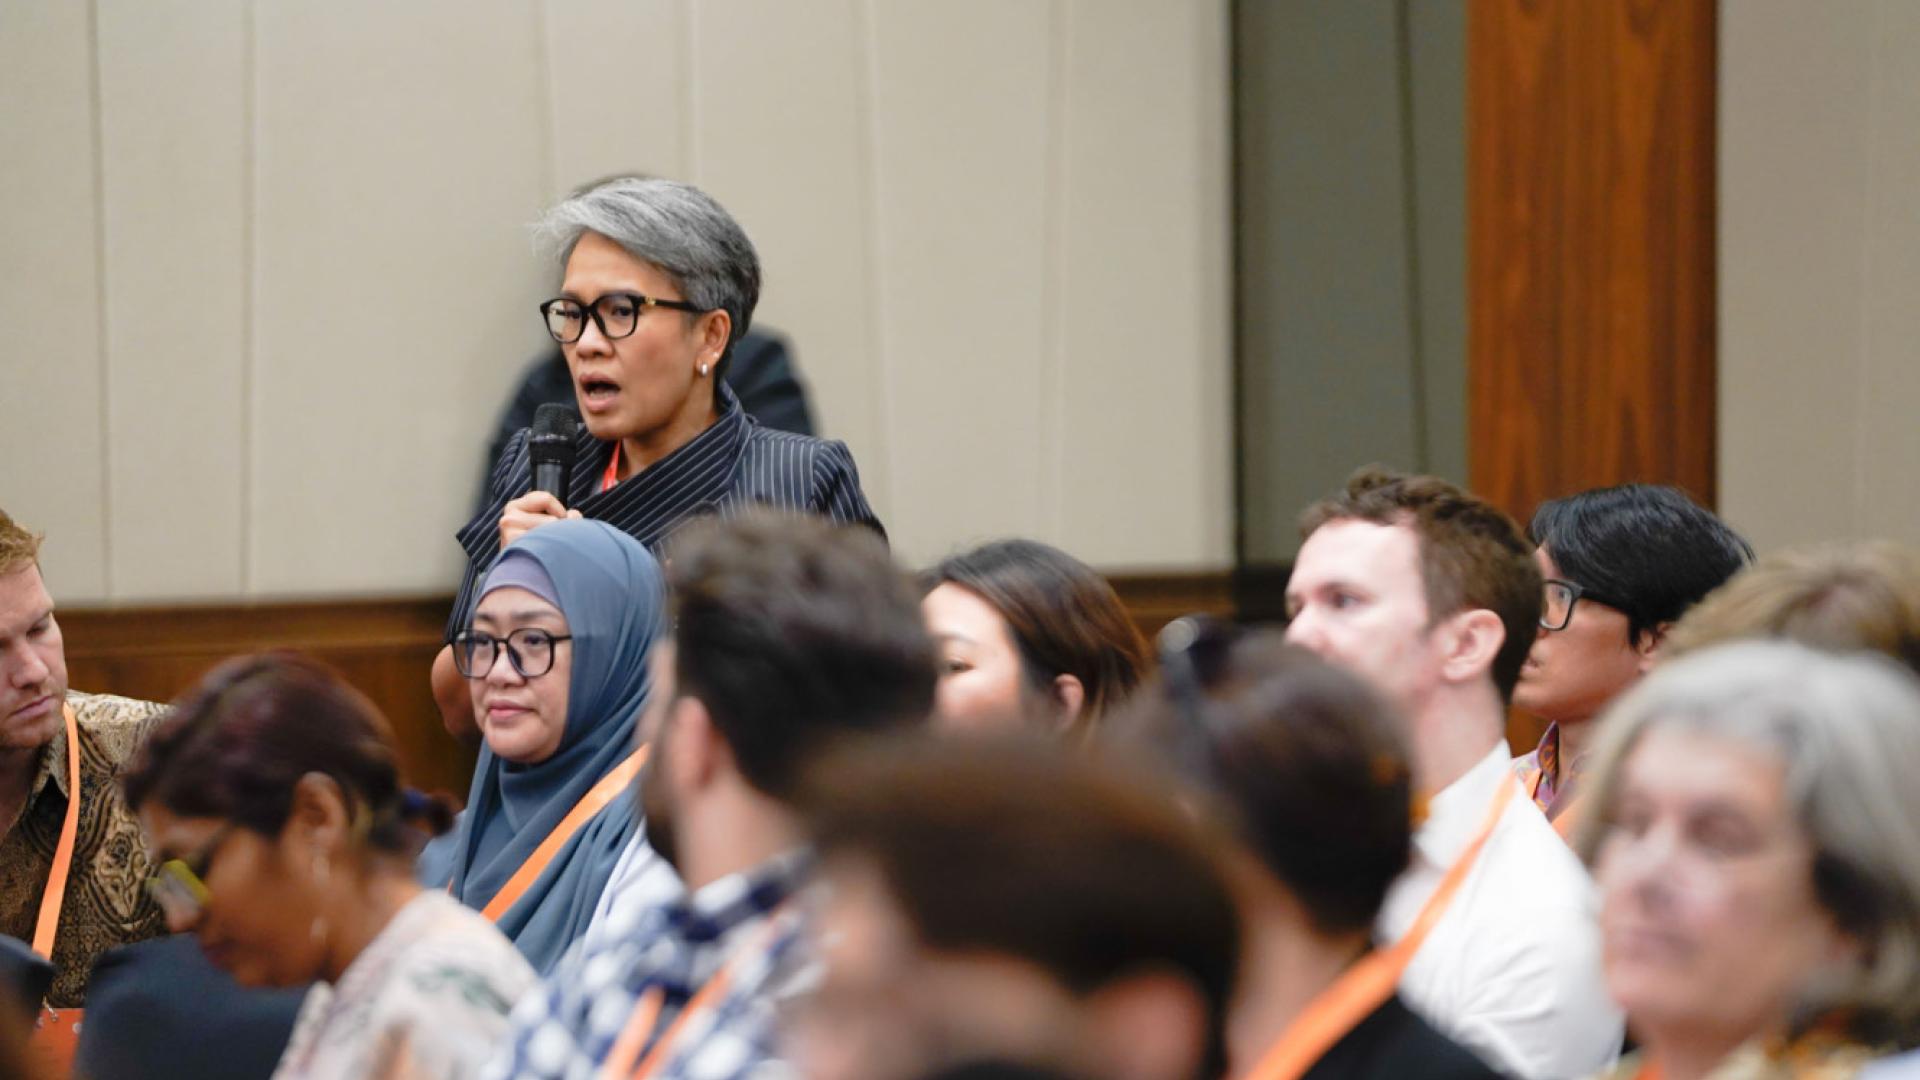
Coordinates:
[789,637]
[71,865]
[1005,902]
[557,663]
[1029,637]
[160,1010]
[1754,830]
[1837,597]
[1433,596]
[1310,770]
[1621,564]
[659,283]
[761,374]
[284,841]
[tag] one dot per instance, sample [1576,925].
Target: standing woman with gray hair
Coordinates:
[658,284]
[1757,847]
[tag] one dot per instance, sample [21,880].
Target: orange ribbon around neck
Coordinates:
[1371,980]
[612,475]
[58,1030]
[620,1063]
[595,800]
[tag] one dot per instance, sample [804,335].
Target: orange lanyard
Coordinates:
[56,893]
[596,799]
[620,1063]
[612,475]
[1371,980]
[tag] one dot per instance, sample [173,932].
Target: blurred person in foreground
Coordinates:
[1754,834]
[1433,596]
[790,636]
[1030,638]
[659,283]
[557,663]
[1621,566]
[1308,768]
[1841,597]
[71,860]
[285,842]
[1007,902]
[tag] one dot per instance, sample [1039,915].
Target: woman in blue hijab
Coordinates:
[556,661]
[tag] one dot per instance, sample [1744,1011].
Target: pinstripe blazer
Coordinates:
[732,465]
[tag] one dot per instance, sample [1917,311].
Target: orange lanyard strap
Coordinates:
[595,800]
[620,1063]
[56,894]
[612,475]
[1370,981]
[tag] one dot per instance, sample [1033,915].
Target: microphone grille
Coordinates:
[555,419]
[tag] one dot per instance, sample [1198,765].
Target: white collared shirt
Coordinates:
[1512,969]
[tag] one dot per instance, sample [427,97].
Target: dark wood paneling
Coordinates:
[1590,246]
[385,647]
[1591,290]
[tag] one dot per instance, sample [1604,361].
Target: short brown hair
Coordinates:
[18,547]
[1023,848]
[1275,735]
[1837,597]
[795,633]
[1063,617]
[1472,555]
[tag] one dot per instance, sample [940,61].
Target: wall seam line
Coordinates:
[249,271]
[1054,387]
[880,410]
[1410,198]
[101,322]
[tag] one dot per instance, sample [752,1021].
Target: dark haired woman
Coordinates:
[1029,637]
[284,841]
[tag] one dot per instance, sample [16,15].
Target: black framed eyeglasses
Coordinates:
[529,650]
[1561,596]
[617,314]
[179,885]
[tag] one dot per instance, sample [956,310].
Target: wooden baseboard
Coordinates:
[386,647]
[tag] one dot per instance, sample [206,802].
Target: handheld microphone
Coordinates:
[551,449]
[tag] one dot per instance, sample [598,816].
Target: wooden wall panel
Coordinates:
[1590,246]
[385,647]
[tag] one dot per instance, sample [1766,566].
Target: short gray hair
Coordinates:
[1847,728]
[674,226]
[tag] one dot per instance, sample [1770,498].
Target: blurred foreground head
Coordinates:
[1755,838]
[989,901]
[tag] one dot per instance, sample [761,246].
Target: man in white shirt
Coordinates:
[1433,594]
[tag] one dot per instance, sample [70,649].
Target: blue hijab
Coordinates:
[612,594]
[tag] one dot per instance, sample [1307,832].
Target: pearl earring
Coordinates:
[703,369]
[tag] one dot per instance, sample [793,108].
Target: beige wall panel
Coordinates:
[1889,391]
[1143,471]
[174,95]
[1794,124]
[779,99]
[619,73]
[394,280]
[50,381]
[960,166]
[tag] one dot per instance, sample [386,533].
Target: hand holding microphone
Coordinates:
[550,447]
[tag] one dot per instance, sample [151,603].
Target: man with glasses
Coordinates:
[1432,595]
[1621,565]
[72,865]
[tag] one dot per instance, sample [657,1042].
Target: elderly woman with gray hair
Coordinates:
[1757,846]
[658,284]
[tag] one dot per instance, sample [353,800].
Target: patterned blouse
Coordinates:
[106,903]
[425,1000]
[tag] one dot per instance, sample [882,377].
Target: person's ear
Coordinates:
[1648,645]
[713,328]
[1069,697]
[319,820]
[696,751]
[1147,1025]
[1471,644]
